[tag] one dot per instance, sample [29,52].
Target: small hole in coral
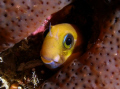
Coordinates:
[84,86]
[112,35]
[59,2]
[36,15]
[111,48]
[107,70]
[98,67]
[117,39]
[57,84]
[53,7]
[116,19]
[63,81]
[111,82]
[7,24]
[89,81]
[67,84]
[12,21]
[103,47]
[117,78]
[108,54]
[47,3]
[91,64]
[5,15]
[113,73]
[97,59]
[25,19]
[100,54]
[109,60]
[73,88]
[76,73]
[118,31]
[28,7]
[116,65]
[90,56]
[32,10]
[111,27]
[106,76]
[21,30]
[18,25]
[41,2]
[117,83]
[118,46]
[76,84]
[115,59]
[12,30]
[90,74]
[12,4]
[110,42]
[23,2]
[4,1]
[72,69]
[82,79]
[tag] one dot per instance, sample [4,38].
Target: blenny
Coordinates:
[59,44]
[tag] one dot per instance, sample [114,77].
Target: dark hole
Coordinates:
[32,10]
[53,6]
[111,27]
[119,31]
[12,4]
[101,54]
[47,3]
[7,24]
[96,58]
[4,1]
[108,54]
[110,42]
[36,15]
[82,79]
[117,39]
[118,46]
[25,19]
[107,70]
[59,2]
[68,84]
[28,7]
[23,2]
[5,15]
[76,84]
[12,30]
[116,19]
[112,72]
[111,48]
[90,73]
[41,2]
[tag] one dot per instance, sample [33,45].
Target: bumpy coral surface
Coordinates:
[19,18]
[99,67]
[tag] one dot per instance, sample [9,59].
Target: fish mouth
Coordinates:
[50,63]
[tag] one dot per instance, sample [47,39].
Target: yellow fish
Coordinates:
[59,44]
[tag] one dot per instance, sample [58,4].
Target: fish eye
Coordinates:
[68,41]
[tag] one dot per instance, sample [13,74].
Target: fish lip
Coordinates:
[45,59]
[51,64]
